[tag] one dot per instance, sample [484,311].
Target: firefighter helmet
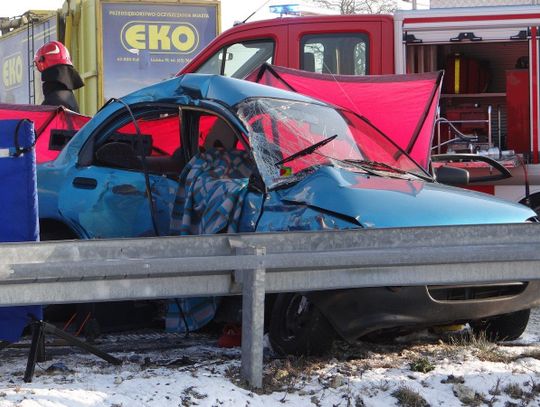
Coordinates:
[51,54]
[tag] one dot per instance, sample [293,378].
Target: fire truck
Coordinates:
[489,104]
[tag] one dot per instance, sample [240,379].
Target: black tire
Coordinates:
[505,327]
[533,202]
[298,327]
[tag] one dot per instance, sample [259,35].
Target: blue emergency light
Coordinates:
[285,9]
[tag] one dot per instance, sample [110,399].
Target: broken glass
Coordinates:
[279,129]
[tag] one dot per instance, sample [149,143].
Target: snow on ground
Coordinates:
[419,370]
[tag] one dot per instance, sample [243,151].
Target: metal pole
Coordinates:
[499,131]
[438,130]
[489,126]
[253,292]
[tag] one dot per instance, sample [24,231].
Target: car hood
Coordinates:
[375,201]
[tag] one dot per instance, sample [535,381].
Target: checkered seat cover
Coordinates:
[212,189]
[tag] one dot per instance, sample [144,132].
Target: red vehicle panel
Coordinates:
[288,33]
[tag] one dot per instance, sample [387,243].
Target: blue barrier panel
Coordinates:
[18,208]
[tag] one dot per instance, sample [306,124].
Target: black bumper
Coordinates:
[357,312]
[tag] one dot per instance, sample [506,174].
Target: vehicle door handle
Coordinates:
[84,183]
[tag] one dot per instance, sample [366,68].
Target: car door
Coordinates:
[129,187]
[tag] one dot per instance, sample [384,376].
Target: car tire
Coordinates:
[505,327]
[298,327]
[532,202]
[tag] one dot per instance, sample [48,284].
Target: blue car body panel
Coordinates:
[374,201]
[109,210]
[279,214]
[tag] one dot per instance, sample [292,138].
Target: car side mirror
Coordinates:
[496,171]
[452,176]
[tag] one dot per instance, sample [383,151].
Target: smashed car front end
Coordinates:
[359,179]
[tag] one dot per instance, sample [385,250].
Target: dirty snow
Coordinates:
[172,370]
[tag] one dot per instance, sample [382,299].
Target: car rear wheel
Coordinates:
[298,327]
[505,327]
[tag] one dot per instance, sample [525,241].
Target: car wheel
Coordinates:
[505,327]
[533,202]
[298,327]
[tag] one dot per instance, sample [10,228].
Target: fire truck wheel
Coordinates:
[297,327]
[505,327]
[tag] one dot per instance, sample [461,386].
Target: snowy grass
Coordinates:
[420,370]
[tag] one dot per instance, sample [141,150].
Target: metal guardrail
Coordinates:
[254,264]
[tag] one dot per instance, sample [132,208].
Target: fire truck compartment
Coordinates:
[485,91]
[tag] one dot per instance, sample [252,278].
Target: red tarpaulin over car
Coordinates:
[46,119]
[401,106]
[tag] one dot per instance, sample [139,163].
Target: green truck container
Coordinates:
[117,46]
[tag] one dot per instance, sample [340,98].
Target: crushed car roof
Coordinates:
[226,90]
[186,89]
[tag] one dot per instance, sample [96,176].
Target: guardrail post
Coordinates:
[253,292]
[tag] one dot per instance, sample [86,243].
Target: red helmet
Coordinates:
[51,54]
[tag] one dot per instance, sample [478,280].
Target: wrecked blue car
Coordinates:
[204,154]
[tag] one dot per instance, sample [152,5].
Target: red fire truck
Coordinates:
[489,104]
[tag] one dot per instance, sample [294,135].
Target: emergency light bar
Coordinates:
[299,9]
[285,9]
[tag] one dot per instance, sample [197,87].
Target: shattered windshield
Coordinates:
[289,137]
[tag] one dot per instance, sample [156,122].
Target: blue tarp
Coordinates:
[18,208]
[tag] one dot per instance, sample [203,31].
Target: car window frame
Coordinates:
[99,135]
[335,35]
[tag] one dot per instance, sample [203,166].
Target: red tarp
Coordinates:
[165,133]
[45,118]
[401,106]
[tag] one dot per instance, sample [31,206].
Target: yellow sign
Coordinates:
[159,37]
[12,71]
